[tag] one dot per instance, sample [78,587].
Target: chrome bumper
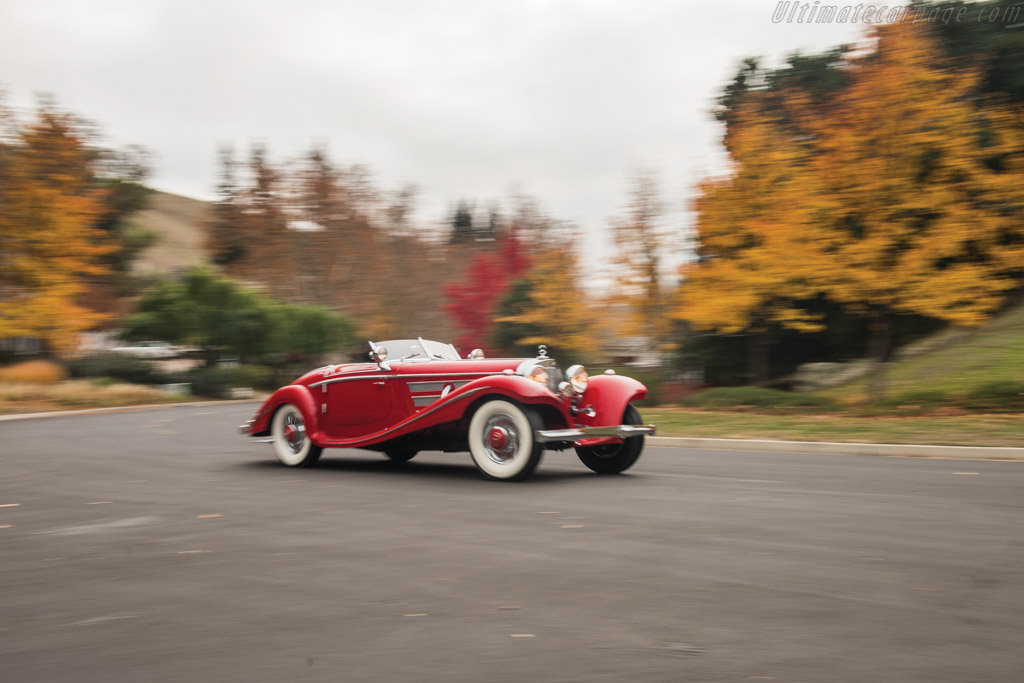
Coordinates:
[246,429]
[579,433]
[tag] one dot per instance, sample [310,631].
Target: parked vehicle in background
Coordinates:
[421,395]
[151,350]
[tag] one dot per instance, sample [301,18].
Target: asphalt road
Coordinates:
[161,546]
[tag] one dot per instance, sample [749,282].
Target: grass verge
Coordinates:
[959,430]
[25,397]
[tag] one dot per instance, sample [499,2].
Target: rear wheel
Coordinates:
[291,443]
[501,440]
[613,458]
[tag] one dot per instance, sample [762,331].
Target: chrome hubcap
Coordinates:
[501,438]
[294,433]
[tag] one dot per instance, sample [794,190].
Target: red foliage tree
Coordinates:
[473,302]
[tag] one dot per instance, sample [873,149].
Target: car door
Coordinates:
[354,406]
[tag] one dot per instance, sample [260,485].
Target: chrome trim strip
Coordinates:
[332,380]
[620,431]
[474,375]
[426,400]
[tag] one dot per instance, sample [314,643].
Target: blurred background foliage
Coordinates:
[872,199]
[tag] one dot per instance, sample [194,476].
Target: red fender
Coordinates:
[608,395]
[299,396]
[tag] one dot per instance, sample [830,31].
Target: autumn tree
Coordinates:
[473,301]
[557,311]
[897,194]
[925,178]
[639,243]
[225,232]
[50,239]
[759,238]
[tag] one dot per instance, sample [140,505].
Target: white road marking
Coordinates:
[100,620]
[102,526]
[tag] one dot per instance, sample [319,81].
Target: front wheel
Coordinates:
[501,440]
[291,443]
[613,458]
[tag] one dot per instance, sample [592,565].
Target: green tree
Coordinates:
[223,318]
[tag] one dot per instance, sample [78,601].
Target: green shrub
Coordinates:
[757,397]
[217,382]
[1005,396]
[118,366]
[254,377]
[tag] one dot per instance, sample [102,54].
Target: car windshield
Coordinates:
[424,349]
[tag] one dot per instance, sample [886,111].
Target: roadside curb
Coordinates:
[836,448]
[126,409]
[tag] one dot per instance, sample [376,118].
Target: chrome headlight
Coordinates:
[578,378]
[538,375]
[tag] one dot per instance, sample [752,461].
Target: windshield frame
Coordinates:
[418,349]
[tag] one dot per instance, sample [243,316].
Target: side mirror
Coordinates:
[476,354]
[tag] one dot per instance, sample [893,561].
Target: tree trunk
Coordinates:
[758,360]
[879,348]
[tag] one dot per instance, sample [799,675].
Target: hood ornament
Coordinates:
[542,351]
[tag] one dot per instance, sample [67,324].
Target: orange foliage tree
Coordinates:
[926,179]
[901,194]
[759,250]
[557,310]
[50,241]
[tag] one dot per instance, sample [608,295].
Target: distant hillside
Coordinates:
[180,225]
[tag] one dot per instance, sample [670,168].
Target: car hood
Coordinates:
[486,366]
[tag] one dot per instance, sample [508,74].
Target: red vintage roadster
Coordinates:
[421,395]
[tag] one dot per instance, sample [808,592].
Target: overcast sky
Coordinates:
[472,99]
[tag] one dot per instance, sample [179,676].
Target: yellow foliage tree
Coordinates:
[49,240]
[759,246]
[900,195]
[926,182]
[558,307]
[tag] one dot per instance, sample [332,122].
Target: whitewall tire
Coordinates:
[501,440]
[291,442]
